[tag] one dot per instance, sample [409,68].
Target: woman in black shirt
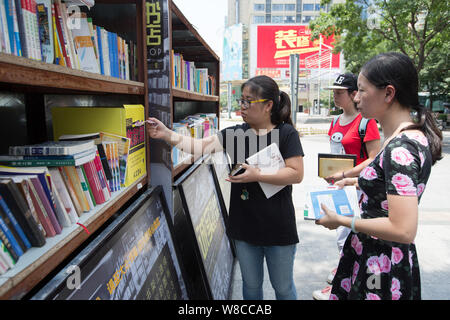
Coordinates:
[261,227]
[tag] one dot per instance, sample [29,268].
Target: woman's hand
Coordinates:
[330,219]
[251,174]
[157,130]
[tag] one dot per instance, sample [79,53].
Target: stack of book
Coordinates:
[186,76]
[37,202]
[49,31]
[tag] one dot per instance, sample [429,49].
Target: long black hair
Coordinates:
[265,87]
[398,70]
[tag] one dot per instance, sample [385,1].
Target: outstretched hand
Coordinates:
[156,129]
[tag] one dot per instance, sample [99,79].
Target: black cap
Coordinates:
[345,81]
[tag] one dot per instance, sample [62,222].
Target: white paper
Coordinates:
[269,161]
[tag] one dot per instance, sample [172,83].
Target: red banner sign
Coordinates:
[277,42]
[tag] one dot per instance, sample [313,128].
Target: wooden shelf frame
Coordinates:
[36,79]
[36,263]
[30,73]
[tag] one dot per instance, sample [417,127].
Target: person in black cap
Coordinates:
[346,138]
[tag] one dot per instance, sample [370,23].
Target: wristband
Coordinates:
[353,223]
[343,175]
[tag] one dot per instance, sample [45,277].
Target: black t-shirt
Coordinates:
[258,220]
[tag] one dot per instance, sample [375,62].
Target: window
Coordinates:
[277,7]
[259,19]
[308,7]
[258,7]
[277,19]
[289,7]
[306,19]
[289,19]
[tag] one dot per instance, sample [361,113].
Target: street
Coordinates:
[317,252]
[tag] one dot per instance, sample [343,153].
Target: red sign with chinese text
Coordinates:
[277,42]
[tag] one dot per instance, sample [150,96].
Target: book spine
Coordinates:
[18,205]
[71,191]
[84,187]
[102,177]
[91,194]
[60,210]
[64,194]
[38,162]
[22,238]
[73,177]
[24,189]
[10,237]
[46,204]
[95,186]
[41,212]
[6,254]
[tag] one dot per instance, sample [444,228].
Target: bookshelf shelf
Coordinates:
[191,95]
[36,263]
[26,72]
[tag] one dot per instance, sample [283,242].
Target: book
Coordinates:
[60,210]
[71,191]
[10,219]
[21,211]
[52,148]
[6,254]
[22,183]
[7,244]
[84,187]
[46,161]
[13,27]
[45,25]
[7,230]
[329,163]
[76,184]
[41,211]
[269,161]
[47,205]
[342,201]
[84,46]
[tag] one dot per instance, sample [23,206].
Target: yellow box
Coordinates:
[115,120]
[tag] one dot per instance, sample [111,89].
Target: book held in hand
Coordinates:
[342,201]
[269,161]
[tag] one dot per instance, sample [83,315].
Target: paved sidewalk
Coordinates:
[317,252]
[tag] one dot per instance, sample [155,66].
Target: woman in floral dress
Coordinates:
[379,259]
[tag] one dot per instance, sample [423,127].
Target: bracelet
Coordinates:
[343,175]
[353,223]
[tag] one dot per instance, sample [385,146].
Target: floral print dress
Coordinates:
[375,269]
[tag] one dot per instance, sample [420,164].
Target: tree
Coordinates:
[417,28]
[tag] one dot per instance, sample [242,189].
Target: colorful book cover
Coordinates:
[45,24]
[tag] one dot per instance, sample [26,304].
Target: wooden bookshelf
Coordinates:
[37,263]
[185,39]
[36,81]
[182,94]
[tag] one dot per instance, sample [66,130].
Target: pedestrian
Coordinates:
[349,134]
[260,227]
[379,259]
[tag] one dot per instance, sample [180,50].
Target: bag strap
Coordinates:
[362,133]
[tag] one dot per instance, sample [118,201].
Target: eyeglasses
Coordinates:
[246,103]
